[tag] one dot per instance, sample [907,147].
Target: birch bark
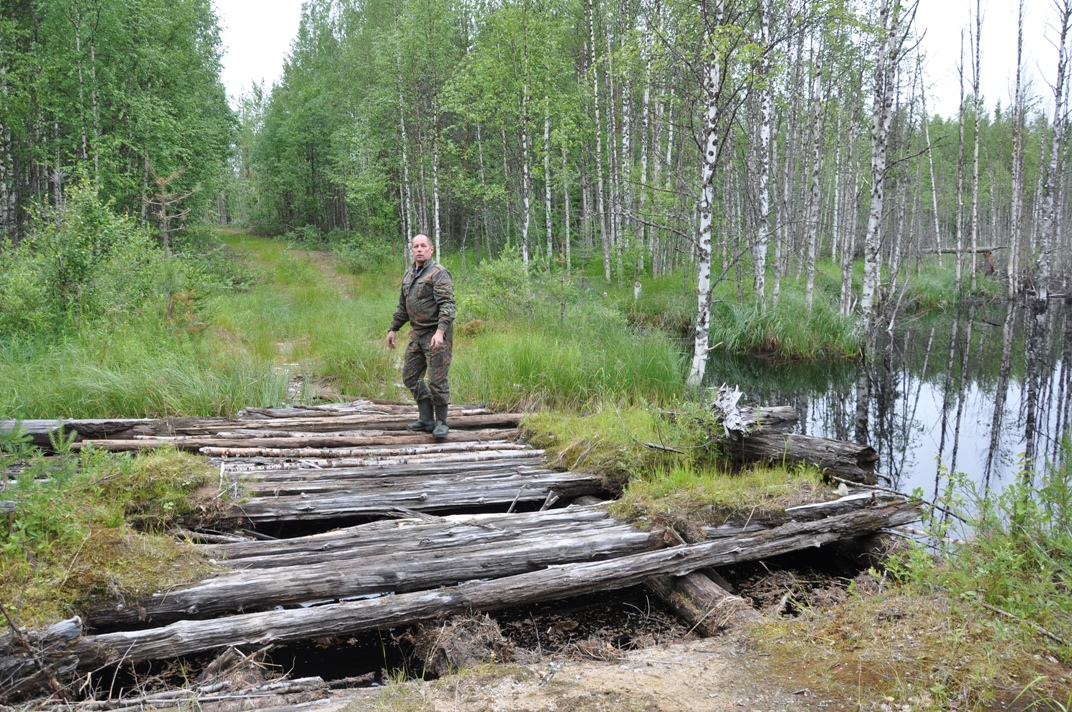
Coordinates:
[712,9]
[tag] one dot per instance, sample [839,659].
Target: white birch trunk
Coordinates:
[889,52]
[526,175]
[960,176]
[601,212]
[712,82]
[975,159]
[813,199]
[1017,207]
[759,252]
[566,208]
[1048,228]
[547,176]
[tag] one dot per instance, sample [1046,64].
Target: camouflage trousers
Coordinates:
[421,357]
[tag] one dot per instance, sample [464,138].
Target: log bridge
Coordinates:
[407,529]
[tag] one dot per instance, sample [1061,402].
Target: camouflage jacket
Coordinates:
[427,298]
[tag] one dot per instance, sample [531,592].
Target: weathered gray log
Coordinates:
[703,604]
[34,661]
[423,494]
[318,482]
[404,535]
[40,431]
[194,443]
[805,513]
[186,637]
[265,459]
[769,417]
[846,460]
[421,556]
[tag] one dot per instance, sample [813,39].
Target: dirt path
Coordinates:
[710,674]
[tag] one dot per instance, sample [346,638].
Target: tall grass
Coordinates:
[134,370]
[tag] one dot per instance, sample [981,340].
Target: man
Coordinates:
[427,303]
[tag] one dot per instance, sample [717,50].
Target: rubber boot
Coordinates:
[441,428]
[425,422]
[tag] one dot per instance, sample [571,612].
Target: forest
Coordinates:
[653,134]
[638,200]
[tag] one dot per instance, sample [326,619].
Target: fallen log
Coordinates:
[263,459]
[702,603]
[384,495]
[420,556]
[847,460]
[557,582]
[195,443]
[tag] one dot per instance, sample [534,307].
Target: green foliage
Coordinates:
[124,89]
[82,262]
[73,533]
[362,253]
[1014,554]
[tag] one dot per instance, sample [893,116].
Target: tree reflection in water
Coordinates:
[986,391]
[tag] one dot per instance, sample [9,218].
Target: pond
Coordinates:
[983,390]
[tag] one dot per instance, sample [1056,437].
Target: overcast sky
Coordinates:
[257,36]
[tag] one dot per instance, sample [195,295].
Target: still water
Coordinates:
[981,391]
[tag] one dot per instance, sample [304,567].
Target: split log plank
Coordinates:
[194,443]
[414,532]
[187,637]
[420,494]
[273,459]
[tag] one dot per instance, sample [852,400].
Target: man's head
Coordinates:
[422,249]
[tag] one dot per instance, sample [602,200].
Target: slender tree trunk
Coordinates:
[547,177]
[600,207]
[759,253]
[1049,228]
[891,42]
[712,81]
[960,175]
[813,199]
[975,165]
[1016,230]
[934,184]
[566,209]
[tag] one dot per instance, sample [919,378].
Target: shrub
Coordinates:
[77,264]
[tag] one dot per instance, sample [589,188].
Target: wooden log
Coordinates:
[769,417]
[557,582]
[321,458]
[421,556]
[702,603]
[805,513]
[404,535]
[194,443]
[846,460]
[422,494]
[32,662]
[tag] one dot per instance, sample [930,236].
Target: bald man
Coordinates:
[427,303]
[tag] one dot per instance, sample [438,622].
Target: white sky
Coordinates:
[257,36]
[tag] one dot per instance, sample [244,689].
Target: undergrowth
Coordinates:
[976,616]
[89,527]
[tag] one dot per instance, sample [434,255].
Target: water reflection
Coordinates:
[986,391]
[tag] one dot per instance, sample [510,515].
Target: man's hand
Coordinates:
[437,339]
[390,339]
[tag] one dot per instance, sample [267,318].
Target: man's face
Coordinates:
[422,249]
